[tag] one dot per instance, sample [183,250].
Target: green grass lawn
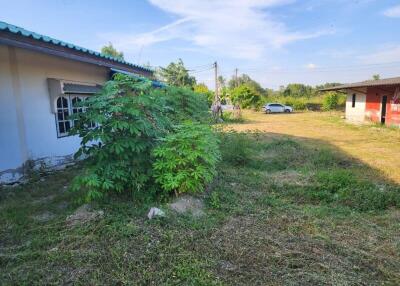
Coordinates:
[281,211]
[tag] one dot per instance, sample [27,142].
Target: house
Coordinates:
[372,101]
[40,80]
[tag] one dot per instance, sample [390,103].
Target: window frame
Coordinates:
[71,110]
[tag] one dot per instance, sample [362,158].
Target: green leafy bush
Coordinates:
[184,104]
[341,186]
[231,117]
[246,96]
[237,148]
[330,101]
[296,103]
[186,159]
[129,117]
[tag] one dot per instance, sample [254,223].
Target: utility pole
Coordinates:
[236,77]
[216,96]
[216,108]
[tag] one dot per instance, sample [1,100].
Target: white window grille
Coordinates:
[66,106]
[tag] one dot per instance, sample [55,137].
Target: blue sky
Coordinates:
[274,41]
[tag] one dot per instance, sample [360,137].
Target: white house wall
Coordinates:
[38,123]
[10,148]
[355,114]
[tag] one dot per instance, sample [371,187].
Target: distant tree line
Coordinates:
[242,91]
[246,92]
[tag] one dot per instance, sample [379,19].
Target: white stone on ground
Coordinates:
[154,212]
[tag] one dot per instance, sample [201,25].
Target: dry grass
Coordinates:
[377,147]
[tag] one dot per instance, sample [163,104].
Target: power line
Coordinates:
[200,71]
[201,66]
[321,69]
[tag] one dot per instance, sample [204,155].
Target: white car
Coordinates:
[277,108]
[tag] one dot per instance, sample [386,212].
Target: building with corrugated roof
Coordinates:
[372,101]
[40,80]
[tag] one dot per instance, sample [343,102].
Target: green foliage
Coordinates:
[175,74]
[302,97]
[343,187]
[231,117]
[214,200]
[184,104]
[330,101]
[246,97]
[237,148]
[186,159]
[201,88]
[245,79]
[296,103]
[129,119]
[110,51]
[298,90]
[376,77]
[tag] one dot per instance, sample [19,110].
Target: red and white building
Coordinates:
[372,101]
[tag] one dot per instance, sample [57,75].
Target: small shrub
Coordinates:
[121,126]
[186,159]
[296,103]
[236,148]
[333,100]
[129,118]
[215,200]
[230,117]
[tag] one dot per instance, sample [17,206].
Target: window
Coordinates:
[66,106]
[353,100]
[63,124]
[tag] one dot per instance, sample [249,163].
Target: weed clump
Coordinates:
[237,148]
[343,187]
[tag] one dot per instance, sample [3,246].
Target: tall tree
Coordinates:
[376,77]
[246,96]
[110,51]
[298,90]
[245,79]
[176,74]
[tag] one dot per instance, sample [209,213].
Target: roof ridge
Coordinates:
[4,26]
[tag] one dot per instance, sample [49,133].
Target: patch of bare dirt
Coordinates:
[84,214]
[188,204]
[289,177]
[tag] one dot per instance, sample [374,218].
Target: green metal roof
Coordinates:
[25,33]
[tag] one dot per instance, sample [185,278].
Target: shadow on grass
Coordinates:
[311,170]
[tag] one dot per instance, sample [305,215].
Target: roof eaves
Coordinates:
[368,83]
[28,34]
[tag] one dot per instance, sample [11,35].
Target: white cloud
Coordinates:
[386,54]
[311,66]
[239,29]
[393,12]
